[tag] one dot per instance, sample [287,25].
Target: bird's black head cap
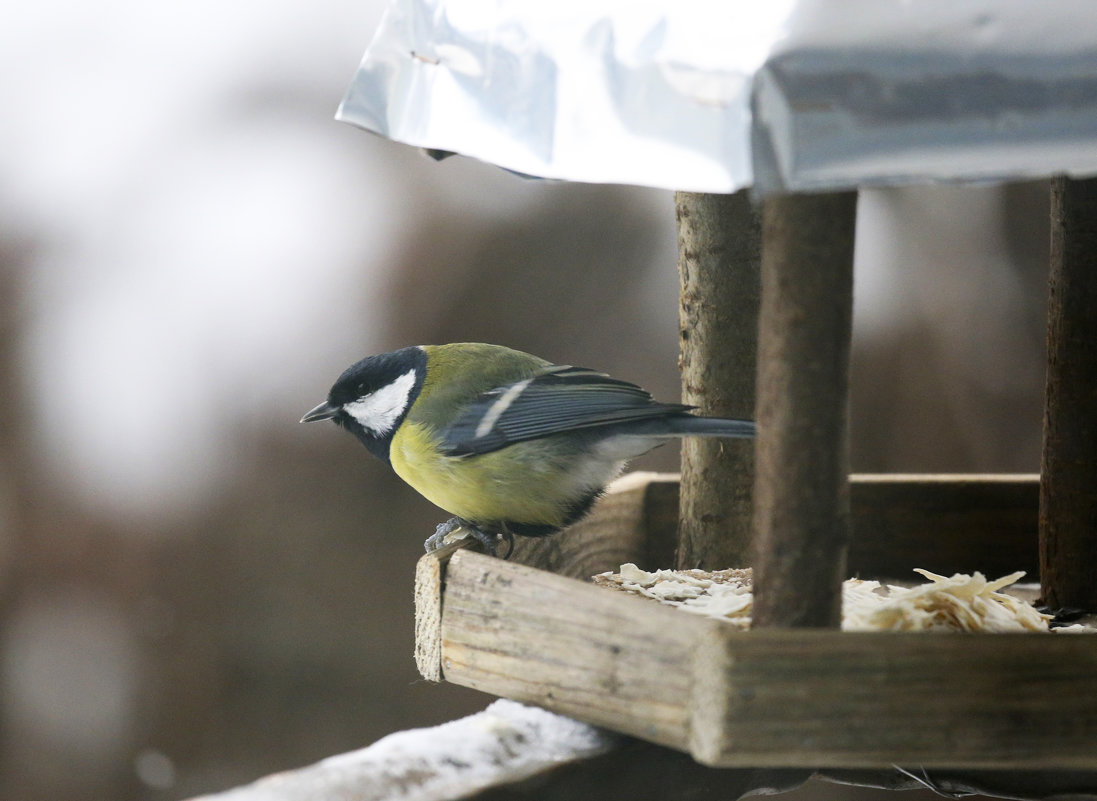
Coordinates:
[372,397]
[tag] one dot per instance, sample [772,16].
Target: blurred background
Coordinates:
[194,589]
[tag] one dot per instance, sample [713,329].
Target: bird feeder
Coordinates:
[793,105]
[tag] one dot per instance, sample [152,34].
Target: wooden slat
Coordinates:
[570,647]
[769,698]
[833,699]
[944,523]
[619,532]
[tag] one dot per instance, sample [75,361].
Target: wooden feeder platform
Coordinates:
[773,697]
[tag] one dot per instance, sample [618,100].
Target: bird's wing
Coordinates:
[562,398]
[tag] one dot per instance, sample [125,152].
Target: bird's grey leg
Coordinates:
[488,540]
[508,538]
[438,538]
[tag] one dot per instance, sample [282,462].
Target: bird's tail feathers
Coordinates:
[686,425]
[693,426]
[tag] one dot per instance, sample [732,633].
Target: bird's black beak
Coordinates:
[325,411]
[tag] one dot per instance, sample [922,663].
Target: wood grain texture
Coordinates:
[1068,497]
[832,699]
[429,573]
[569,647]
[769,698]
[801,489]
[944,523]
[947,523]
[950,523]
[719,267]
[633,522]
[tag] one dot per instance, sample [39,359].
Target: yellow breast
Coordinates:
[514,484]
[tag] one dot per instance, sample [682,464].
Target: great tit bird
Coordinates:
[506,442]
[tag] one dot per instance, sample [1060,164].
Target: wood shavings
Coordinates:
[724,594]
[1074,628]
[957,603]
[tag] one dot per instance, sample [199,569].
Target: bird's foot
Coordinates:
[438,538]
[488,540]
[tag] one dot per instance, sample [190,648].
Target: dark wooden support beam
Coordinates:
[719,258]
[801,494]
[1068,489]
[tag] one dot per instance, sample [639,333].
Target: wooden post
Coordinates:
[718,265]
[1068,488]
[801,495]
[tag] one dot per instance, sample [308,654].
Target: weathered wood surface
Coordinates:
[621,530]
[525,634]
[944,523]
[801,488]
[1068,499]
[719,268]
[908,521]
[768,697]
[834,699]
[429,572]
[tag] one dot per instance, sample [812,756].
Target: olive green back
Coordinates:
[459,372]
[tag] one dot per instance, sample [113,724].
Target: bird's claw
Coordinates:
[488,541]
[438,538]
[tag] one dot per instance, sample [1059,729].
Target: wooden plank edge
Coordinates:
[619,531]
[570,647]
[429,582]
[947,523]
[834,699]
[769,698]
[874,699]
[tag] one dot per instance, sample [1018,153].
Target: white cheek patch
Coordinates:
[379,411]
